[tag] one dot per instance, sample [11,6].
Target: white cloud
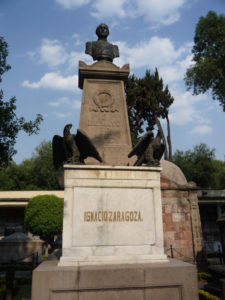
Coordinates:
[54,81]
[155,52]
[74,58]
[62,115]
[157,11]
[175,71]
[108,8]
[66,102]
[77,40]
[68,4]
[161,11]
[184,109]
[76,104]
[61,101]
[52,53]
[202,129]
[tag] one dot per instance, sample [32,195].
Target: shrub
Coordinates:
[203,295]
[204,275]
[44,215]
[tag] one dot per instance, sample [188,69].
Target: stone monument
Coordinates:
[112,228]
[103,110]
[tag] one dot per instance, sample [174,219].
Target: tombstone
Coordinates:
[18,247]
[112,243]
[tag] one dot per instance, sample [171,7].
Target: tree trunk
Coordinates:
[169,138]
[163,137]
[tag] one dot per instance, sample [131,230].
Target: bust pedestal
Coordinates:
[104,111]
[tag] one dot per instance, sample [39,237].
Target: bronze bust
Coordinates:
[102,49]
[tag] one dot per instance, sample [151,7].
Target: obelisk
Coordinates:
[104,112]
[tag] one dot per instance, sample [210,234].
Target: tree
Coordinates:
[10,124]
[219,174]
[36,173]
[147,101]
[208,70]
[197,165]
[46,177]
[44,216]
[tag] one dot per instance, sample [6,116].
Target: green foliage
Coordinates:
[44,215]
[199,165]
[41,167]
[10,124]
[219,174]
[21,287]
[36,173]
[23,280]
[147,101]
[3,57]
[208,72]
[203,295]
[22,292]
[204,275]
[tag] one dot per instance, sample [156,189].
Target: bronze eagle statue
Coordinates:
[72,148]
[149,150]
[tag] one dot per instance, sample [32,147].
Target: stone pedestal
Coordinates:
[112,214]
[104,111]
[113,241]
[173,280]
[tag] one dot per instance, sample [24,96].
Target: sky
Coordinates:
[46,39]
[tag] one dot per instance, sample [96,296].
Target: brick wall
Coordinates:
[181,220]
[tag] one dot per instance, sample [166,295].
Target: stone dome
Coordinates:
[173,172]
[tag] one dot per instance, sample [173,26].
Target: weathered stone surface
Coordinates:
[172,172]
[181,219]
[173,279]
[112,214]
[104,112]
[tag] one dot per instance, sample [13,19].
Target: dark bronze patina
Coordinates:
[72,148]
[149,150]
[102,49]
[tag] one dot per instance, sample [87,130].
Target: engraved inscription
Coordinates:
[103,102]
[103,98]
[103,109]
[112,216]
[104,123]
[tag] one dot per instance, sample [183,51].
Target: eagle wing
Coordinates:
[142,145]
[58,151]
[85,146]
[158,152]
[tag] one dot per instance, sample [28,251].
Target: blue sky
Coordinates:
[46,39]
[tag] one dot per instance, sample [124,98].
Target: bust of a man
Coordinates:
[102,49]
